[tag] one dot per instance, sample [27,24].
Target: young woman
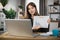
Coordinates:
[31,11]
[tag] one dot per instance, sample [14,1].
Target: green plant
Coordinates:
[20,6]
[10,14]
[4,2]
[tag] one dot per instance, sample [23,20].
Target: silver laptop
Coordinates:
[19,27]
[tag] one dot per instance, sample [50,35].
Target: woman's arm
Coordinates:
[24,16]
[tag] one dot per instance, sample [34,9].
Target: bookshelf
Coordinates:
[55,13]
[2,22]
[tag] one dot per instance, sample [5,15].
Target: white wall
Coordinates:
[35,1]
[12,4]
[53,25]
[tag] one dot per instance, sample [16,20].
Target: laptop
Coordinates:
[19,27]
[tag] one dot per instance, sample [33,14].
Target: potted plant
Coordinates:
[10,14]
[20,8]
[4,2]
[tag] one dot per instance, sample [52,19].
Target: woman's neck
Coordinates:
[32,16]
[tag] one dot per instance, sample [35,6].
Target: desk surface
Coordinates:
[6,36]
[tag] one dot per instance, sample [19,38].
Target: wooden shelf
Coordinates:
[54,13]
[55,21]
[1,29]
[55,5]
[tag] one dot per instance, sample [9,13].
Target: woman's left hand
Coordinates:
[35,27]
[48,21]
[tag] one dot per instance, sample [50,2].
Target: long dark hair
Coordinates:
[36,12]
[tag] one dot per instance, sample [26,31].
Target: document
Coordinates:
[41,21]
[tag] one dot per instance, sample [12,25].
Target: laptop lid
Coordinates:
[19,27]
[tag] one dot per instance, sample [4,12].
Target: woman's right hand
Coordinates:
[35,27]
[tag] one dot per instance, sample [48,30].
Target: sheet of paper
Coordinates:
[41,21]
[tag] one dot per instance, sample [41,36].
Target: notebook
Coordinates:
[41,21]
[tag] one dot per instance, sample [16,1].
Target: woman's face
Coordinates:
[31,9]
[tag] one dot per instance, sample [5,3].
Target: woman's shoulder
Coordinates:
[38,15]
[23,16]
